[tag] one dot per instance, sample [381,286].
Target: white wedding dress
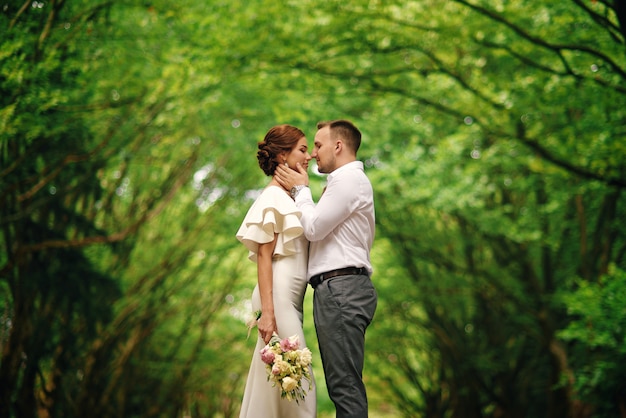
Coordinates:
[275,212]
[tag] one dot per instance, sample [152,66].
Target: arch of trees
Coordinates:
[494,137]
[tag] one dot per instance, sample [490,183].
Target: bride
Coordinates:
[273,234]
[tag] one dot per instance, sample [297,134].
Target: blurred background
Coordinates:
[494,136]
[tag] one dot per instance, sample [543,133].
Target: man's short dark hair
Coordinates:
[344,130]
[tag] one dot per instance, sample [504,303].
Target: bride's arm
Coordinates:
[267,322]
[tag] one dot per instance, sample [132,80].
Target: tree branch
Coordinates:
[569,167]
[602,20]
[533,144]
[117,236]
[556,48]
[55,7]
[532,63]
[19,13]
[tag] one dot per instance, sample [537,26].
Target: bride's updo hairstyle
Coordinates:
[281,138]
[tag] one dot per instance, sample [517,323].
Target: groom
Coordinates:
[341,231]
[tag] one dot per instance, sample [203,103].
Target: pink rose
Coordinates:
[266,355]
[276,369]
[291,343]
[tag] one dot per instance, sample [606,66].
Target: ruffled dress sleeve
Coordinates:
[272,212]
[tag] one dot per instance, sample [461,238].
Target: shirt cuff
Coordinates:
[304,195]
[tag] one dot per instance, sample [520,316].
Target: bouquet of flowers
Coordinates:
[287,366]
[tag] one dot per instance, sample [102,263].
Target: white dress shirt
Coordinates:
[341,226]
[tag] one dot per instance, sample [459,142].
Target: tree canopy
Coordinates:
[493,135]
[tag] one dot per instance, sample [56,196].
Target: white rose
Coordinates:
[305,357]
[289,384]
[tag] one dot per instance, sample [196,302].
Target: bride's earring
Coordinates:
[286,163]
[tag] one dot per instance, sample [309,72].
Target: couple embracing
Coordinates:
[296,242]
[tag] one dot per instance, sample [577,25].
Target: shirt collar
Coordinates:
[354,165]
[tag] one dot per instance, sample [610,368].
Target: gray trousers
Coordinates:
[343,307]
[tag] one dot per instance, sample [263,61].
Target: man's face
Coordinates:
[324,151]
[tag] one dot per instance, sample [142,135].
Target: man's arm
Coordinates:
[335,205]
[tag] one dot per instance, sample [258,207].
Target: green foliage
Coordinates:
[596,336]
[104,231]
[493,135]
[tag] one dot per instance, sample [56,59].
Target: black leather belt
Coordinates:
[348,271]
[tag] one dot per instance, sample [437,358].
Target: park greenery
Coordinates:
[495,139]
